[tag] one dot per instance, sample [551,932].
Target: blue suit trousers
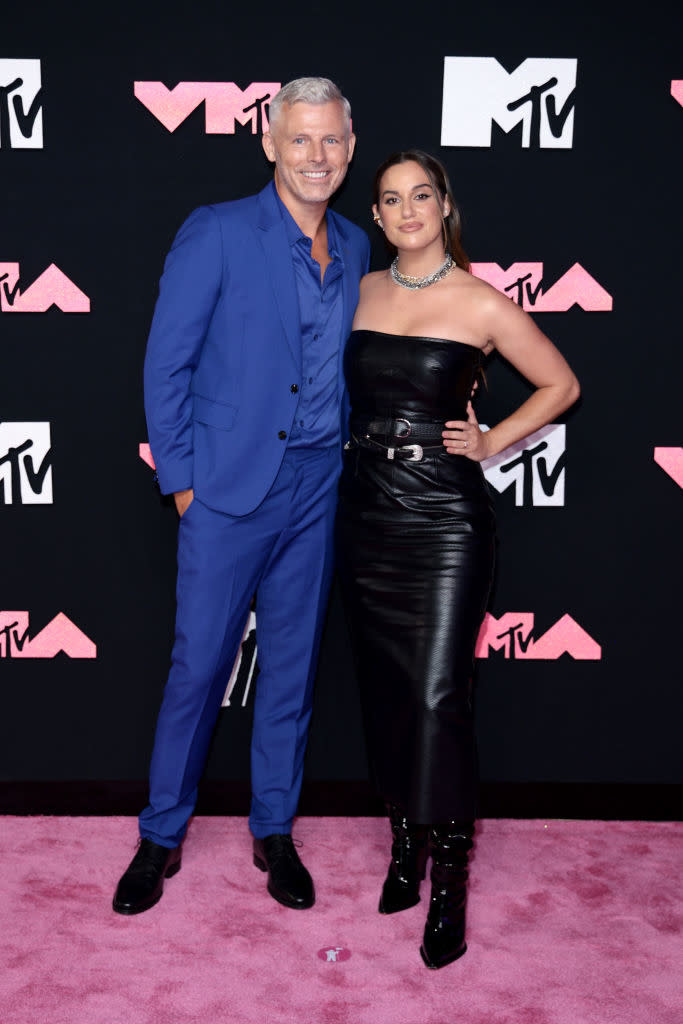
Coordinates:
[282,551]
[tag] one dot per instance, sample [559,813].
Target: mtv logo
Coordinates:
[51,288]
[539,94]
[224,104]
[513,634]
[245,669]
[534,466]
[21,115]
[523,283]
[25,464]
[60,634]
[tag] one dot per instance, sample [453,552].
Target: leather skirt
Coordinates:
[416,552]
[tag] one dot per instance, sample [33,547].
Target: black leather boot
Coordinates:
[444,935]
[408,863]
[143,883]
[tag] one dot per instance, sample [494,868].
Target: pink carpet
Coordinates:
[570,923]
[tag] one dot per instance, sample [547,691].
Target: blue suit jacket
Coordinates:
[224,351]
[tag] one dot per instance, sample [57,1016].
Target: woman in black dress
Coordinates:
[416,527]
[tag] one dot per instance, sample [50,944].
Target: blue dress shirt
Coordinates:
[317,422]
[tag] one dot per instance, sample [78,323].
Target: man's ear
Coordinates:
[268,147]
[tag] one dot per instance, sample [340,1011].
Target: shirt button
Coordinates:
[294,388]
[282,434]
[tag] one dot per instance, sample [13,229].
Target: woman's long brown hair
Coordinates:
[438,177]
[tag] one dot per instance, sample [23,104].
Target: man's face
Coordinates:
[311,151]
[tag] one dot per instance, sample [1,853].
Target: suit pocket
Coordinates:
[214,414]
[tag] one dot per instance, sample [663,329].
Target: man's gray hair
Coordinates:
[309,90]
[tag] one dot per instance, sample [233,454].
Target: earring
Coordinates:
[378,222]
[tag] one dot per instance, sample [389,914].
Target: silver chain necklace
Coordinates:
[406,281]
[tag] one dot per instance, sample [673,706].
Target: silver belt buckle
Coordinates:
[408,424]
[416,449]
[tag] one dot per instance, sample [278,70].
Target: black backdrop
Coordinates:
[102,198]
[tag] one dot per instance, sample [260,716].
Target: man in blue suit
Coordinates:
[246,409]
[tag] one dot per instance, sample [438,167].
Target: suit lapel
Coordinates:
[350,279]
[277,254]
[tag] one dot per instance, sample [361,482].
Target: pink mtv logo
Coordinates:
[677,90]
[52,288]
[59,635]
[224,104]
[671,461]
[523,282]
[512,632]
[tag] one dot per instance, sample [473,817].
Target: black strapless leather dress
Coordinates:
[416,549]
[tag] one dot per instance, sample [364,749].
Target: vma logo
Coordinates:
[677,90]
[523,283]
[145,453]
[539,95]
[513,634]
[25,464]
[534,467]
[224,104]
[21,101]
[59,635]
[51,288]
[671,461]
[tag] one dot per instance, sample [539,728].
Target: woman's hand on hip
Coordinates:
[463,437]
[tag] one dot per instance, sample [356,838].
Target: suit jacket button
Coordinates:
[294,388]
[282,434]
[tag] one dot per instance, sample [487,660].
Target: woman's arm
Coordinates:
[515,335]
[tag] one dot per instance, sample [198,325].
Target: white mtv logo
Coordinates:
[534,466]
[539,94]
[21,115]
[25,464]
[243,671]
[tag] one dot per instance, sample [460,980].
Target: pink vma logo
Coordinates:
[512,633]
[51,288]
[677,90]
[671,461]
[523,282]
[145,453]
[60,634]
[224,104]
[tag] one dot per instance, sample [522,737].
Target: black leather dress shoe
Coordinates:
[288,880]
[143,883]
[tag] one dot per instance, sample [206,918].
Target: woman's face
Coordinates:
[409,208]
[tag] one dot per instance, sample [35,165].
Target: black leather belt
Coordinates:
[401,452]
[396,428]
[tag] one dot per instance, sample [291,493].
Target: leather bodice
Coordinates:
[401,375]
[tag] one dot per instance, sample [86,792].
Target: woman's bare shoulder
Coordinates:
[475,286]
[372,279]
[485,299]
